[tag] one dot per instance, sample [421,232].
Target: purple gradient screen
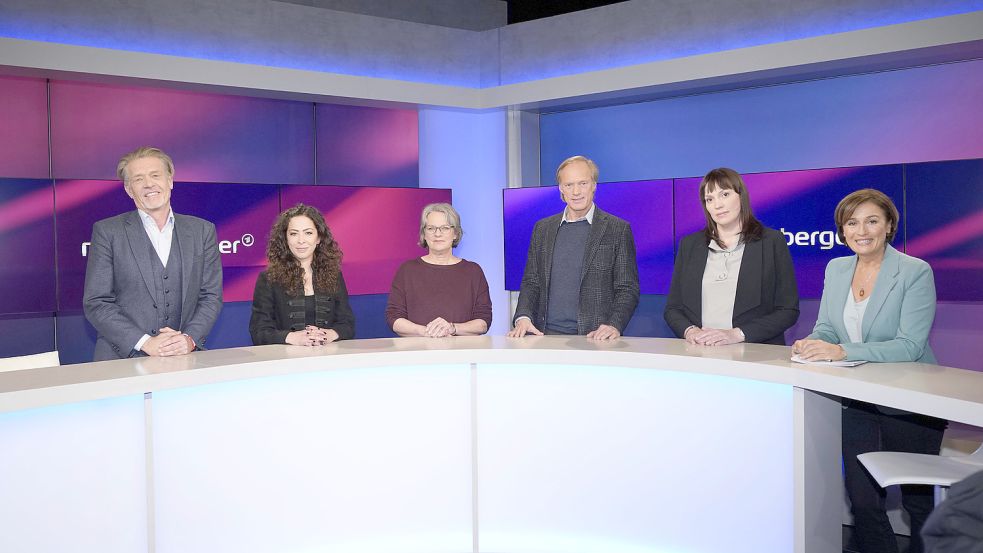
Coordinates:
[23,127]
[638,202]
[27,240]
[377,228]
[800,203]
[79,204]
[212,138]
[241,213]
[363,146]
[945,224]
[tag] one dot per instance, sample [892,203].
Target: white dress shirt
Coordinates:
[160,238]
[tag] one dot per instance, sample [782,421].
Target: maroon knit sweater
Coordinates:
[421,292]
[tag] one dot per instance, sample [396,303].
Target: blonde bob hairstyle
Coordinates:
[849,204]
[144,151]
[453,219]
[594,173]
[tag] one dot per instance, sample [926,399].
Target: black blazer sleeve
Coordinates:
[779,302]
[677,314]
[263,324]
[344,320]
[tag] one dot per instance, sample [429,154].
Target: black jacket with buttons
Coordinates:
[276,314]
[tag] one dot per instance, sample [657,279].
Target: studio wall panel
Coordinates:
[243,215]
[363,146]
[27,334]
[211,137]
[27,242]
[23,127]
[945,224]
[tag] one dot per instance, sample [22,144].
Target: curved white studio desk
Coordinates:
[456,445]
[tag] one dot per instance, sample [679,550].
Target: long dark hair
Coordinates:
[729,179]
[285,270]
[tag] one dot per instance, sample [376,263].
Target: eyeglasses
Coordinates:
[444,229]
[568,186]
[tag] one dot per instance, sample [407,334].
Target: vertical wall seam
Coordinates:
[54,211]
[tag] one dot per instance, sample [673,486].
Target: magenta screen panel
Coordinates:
[801,205]
[242,213]
[23,127]
[212,138]
[377,228]
[27,240]
[644,204]
[945,224]
[362,146]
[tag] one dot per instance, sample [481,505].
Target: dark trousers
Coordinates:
[866,429]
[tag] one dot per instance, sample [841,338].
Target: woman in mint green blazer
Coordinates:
[877,305]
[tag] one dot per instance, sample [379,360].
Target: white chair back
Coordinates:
[38,360]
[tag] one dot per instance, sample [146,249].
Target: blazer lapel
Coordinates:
[140,248]
[186,241]
[749,278]
[594,239]
[887,279]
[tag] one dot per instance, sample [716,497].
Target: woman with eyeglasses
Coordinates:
[439,294]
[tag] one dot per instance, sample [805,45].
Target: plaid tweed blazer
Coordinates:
[609,281]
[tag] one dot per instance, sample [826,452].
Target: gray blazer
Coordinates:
[899,314]
[609,282]
[118,298]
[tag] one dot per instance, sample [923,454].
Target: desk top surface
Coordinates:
[945,392]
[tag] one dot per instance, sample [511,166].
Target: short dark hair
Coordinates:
[849,204]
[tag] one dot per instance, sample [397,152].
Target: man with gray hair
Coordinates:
[581,276]
[153,282]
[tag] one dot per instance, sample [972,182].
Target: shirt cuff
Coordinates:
[141,342]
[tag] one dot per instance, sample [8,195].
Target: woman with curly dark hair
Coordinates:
[301,298]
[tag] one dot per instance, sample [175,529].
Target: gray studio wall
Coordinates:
[286,34]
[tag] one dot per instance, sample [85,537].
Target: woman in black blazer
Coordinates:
[301,298]
[734,280]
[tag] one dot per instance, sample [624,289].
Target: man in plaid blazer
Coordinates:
[581,276]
